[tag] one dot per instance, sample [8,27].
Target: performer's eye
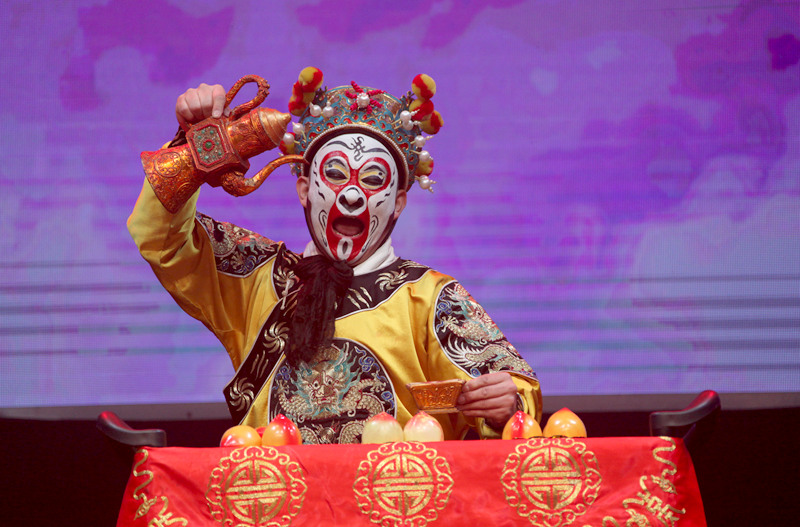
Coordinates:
[335,171]
[372,176]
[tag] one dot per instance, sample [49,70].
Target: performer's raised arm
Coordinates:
[203,263]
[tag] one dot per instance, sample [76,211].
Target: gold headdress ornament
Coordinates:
[397,123]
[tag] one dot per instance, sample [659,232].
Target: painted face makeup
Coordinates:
[351,198]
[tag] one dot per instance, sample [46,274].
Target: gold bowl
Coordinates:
[436,397]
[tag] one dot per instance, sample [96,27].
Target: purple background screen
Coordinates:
[618,182]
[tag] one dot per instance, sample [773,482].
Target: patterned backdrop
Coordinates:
[618,182]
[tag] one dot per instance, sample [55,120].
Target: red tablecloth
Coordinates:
[550,482]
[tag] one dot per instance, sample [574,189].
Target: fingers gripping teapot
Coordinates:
[217,151]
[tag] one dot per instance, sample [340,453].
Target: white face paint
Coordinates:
[351,197]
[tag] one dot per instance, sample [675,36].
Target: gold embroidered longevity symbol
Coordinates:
[403,484]
[551,481]
[256,485]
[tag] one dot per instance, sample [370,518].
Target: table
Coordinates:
[596,482]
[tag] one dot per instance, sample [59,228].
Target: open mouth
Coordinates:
[348,226]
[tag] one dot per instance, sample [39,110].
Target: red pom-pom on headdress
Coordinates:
[308,82]
[432,124]
[423,86]
[421,109]
[310,79]
[296,102]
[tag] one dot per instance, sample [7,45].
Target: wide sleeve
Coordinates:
[208,267]
[464,342]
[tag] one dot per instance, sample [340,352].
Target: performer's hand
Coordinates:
[200,103]
[492,396]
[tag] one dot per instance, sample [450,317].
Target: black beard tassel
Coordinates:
[323,284]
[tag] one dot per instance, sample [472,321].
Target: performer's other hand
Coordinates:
[492,396]
[196,104]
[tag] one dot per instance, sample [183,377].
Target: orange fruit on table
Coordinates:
[281,431]
[521,426]
[564,423]
[240,435]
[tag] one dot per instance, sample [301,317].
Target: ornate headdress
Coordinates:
[397,123]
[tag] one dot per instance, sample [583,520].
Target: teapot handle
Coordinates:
[261,94]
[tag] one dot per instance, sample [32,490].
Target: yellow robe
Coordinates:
[400,324]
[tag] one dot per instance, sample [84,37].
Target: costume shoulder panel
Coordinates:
[237,251]
[470,339]
[371,290]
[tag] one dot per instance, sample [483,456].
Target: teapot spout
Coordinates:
[236,184]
